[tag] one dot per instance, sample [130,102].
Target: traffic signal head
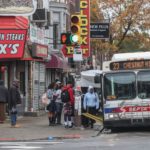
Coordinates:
[75,28]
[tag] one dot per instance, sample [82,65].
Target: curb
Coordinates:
[50,138]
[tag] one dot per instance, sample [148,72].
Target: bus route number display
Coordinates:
[130,65]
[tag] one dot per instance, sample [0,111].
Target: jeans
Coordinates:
[13,119]
[13,116]
[92,111]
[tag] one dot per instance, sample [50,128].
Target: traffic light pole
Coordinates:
[77,117]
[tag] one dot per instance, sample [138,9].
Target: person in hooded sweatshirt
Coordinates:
[14,99]
[3,101]
[91,103]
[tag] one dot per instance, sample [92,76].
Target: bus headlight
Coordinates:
[112,116]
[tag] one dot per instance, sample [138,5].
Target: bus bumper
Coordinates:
[127,123]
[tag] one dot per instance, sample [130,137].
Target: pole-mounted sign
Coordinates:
[99,30]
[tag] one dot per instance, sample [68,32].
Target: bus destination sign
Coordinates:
[130,65]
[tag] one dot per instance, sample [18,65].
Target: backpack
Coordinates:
[65,97]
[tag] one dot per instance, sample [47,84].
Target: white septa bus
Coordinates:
[126,90]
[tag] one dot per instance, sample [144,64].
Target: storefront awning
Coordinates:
[57,62]
[14,22]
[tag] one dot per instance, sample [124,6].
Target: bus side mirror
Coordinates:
[97,79]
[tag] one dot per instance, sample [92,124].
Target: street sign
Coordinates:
[99,30]
[77,55]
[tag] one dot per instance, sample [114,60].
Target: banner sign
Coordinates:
[99,30]
[12,42]
[85,31]
[17,7]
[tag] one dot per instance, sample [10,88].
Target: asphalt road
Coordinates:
[135,140]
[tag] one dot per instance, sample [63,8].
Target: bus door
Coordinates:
[143,96]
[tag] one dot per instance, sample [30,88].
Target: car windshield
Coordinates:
[143,84]
[119,86]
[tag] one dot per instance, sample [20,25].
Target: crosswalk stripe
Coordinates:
[36,142]
[26,145]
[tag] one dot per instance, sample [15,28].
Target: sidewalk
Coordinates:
[33,128]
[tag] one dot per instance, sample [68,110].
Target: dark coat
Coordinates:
[3,93]
[14,97]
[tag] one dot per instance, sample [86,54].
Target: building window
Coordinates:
[55,35]
[60,1]
[39,4]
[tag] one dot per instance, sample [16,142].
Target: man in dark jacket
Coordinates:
[3,100]
[14,99]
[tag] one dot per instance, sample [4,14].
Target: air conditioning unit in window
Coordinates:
[40,15]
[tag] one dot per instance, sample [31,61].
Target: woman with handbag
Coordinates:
[51,107]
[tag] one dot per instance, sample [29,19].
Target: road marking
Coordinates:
[20,147]
[17,143]
[26,145]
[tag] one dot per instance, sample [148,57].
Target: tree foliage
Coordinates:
[129,24]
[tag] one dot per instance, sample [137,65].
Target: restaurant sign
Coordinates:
[12,42]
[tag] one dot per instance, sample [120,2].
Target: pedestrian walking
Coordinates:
[3,101]
[67,97]
[59,104]
[91,103]
[51,107]
[14,100]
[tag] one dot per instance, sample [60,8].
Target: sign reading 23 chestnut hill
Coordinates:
[12,42]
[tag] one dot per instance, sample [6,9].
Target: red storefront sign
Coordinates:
[39,50]
[85,31]
[12,42]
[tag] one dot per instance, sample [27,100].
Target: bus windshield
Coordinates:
[120,86]
[143,84]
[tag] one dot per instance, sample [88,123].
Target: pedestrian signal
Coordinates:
[65,38]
